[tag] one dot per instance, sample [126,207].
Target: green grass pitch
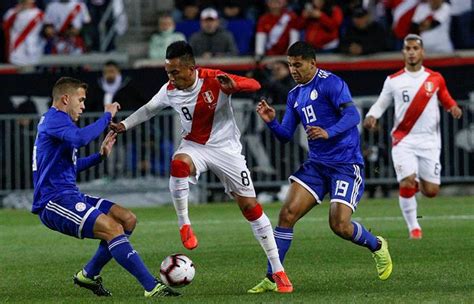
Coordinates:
[36,264]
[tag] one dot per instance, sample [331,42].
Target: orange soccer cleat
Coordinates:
[416,234]
[187,237]
[283,283]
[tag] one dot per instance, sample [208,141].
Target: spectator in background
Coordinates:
[212,40]
[49,39]
[67,15]
[234,9]
[118,22]
[186,10]
[402,14]
[276,29]
[69,43]
[432,20]
[22,25]
[364,36]
[321,22]
[277,85]
[165,36]
[113,87]
[462,33]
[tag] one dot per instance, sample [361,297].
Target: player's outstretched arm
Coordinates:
[84,163]
[232,83]
[108,144]
[79,137]
[265,112]
[118,127]
[284,131]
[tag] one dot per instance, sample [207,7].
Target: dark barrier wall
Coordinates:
[459,79]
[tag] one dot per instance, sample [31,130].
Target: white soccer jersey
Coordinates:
[62,15]
[23,28]
[204,109]
[416,96]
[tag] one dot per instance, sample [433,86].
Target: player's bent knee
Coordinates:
[107,228]
[287,217]
[252,212]
[430,193]
[179,168]
[130,221]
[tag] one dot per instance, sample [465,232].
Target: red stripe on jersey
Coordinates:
[27,30]
[397,74]
[203,116]
[70,17]
[414,111]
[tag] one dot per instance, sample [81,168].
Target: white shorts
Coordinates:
[229,166]
[422,162]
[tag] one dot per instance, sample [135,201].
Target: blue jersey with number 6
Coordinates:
[321,102]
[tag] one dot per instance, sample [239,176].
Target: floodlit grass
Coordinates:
[37,264]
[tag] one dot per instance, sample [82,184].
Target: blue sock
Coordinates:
[128,258]
[283,238]
[101,257]
[362,237]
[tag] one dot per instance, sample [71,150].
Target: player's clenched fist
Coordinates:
[113,108]
[455,111]
[117,127]
[266,112]
[370,122]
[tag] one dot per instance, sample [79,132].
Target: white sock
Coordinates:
[263,232]
[179,188]
[408,206]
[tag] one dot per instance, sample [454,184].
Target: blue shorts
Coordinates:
[74,214]
[343,182]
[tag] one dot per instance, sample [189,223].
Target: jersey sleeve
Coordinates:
[150,109]
[243,84]
[338,92]
[64,129]
[84,163]
[443,94]
[383,102]
[284,131]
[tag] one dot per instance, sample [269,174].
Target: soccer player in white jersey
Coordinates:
[416,142]
[210,142]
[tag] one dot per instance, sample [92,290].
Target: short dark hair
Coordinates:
[413,37]
[303,49]
[112,63]
[182,50]
[65,85]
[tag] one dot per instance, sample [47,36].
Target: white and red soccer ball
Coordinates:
[177,270]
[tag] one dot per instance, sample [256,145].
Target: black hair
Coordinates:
[112,63]
[303,49]
[64,85]
[182,50]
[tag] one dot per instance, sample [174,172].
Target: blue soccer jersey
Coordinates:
[323,102]
[55,162]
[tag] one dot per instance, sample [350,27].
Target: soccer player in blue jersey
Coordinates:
[63,208]
[322,103]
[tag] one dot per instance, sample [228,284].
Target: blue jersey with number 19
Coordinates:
[55,162]
[325,102]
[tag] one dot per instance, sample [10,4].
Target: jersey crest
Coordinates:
[429,88]
[209,98]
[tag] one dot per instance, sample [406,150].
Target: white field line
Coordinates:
[467,217]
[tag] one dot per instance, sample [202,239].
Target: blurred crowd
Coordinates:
[238,27]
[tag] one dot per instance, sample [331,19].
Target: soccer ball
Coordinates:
[177,270]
